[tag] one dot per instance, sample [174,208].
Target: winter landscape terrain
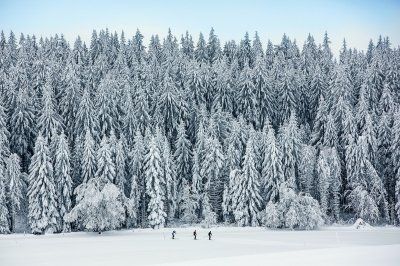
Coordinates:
[109,143]
[230,246]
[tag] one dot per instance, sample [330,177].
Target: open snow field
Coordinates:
[230,246]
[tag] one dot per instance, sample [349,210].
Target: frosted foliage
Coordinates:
[293,211]
[236,132]
[100,209]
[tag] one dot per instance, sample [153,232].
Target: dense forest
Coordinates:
[117,134]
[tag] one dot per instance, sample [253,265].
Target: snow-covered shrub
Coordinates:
[361,224]
[294,211]
[99,210]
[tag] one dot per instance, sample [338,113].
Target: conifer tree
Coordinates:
[272,174]
[209,217]
[63,180]
[105,166]
[210,171]
[247,96]
[153,172]
[120,167]
[168,105]
[42,194]
[170,196]
[70,98]
[88,160]
[182,155]
[395,162]
[188,204]
[107,112]
[15,188]
[290,143]
[4,214]
[85,118]
[247,199]
[49,121]
[22,125]
[329,182]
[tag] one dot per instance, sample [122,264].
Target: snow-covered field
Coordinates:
[230,246]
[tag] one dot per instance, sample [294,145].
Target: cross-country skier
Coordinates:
[173,234]
[195,235]
[209,235]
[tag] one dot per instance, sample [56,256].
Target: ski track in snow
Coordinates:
[230,246]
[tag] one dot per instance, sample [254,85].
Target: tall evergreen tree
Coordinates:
[153,172]
[272,174]
[4,214]
[85,117]
[42,193]
[22,125]
[246,97]
[63,180]
[247,199]
[210,171]
[105,172]
[15,188]
[290,142]
[49,121]
[182,155]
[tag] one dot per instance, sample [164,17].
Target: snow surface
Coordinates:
[230,246]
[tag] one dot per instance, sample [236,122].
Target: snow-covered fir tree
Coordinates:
[210,171]
[209,217]
[42,193]
[4,214]
[170,196]
[272,174]
[188,206]
[120,166]
[63,180]
[182,155]
[105,166]
[328,169]
[15,188]
[49,121]
[153,173]
[246,193]
[290,144]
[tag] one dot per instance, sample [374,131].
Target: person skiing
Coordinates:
[173,234]
[209,235]
[195,235]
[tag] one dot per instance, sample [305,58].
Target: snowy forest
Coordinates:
[118,134]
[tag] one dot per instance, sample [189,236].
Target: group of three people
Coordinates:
[194,235]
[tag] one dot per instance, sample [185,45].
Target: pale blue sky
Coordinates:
[355,20]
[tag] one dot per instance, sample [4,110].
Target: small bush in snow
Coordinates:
[294,211]
[99,210]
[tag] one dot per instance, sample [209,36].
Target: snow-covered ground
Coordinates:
[230,246]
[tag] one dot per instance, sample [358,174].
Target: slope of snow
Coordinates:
[230,246]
